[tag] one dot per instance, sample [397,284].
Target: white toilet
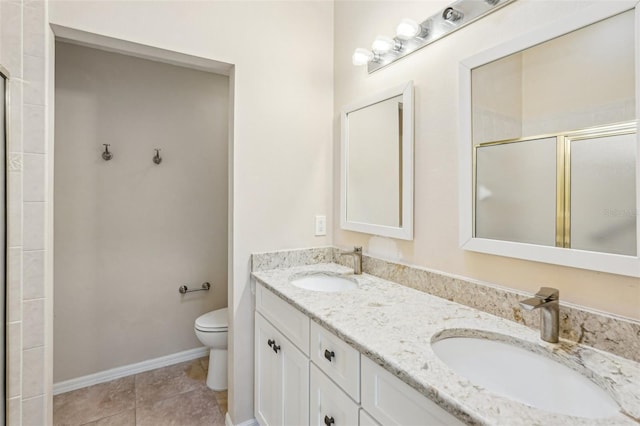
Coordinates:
[211,329]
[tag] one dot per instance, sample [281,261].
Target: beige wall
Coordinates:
[434,70]
[282,127]
[129,232]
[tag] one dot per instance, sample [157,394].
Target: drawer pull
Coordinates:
[328,420]
[271,342]
[276,348]
[329,354]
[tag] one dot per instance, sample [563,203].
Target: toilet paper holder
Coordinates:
[184,289]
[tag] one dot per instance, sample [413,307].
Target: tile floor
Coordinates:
[171,396]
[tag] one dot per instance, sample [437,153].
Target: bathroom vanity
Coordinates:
[364,356]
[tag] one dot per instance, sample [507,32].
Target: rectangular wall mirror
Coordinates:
[377,164]
[548,148]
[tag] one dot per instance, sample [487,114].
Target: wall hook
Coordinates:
[156,158]
[106,155]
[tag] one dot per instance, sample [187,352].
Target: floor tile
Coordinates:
[173,395]
[221,399]
[126,418]
[195,408]
[170,381]
[94,402]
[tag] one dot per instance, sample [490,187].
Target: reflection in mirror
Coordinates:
[377,164]
[603,194]
[515,191]
[549,146]
[579,80]
[375,136]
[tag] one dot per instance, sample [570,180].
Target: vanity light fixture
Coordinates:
[411,35]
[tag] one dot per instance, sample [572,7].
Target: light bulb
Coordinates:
[383,44]
[408,29]
[362,56]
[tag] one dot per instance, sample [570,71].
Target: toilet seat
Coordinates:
[214,321]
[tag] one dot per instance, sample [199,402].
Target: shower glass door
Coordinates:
[4,102]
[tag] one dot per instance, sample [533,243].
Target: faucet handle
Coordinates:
[548,293]
[357,249]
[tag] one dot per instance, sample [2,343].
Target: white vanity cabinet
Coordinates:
[306,375]
[282,378]
[281,395]
[390,401]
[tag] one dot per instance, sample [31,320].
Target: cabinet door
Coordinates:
[366,419]
[268,376]
[330,406]
[281,378]
[295,384]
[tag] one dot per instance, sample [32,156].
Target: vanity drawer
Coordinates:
[329,405]
[392,402]
[290,321]
[337,359]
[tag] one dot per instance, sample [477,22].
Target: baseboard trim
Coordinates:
[228,422]
[128,370]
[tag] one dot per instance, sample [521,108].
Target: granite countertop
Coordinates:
[394,326]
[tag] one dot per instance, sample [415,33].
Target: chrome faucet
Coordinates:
[357,259]
[547,300]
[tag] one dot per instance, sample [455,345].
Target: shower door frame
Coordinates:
[4,74]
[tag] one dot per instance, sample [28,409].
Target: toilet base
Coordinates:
[217,375]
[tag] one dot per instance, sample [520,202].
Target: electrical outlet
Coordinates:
[321,225]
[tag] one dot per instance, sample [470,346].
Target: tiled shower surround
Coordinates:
[620,336]
[23,54]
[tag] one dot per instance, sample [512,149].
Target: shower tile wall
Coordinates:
[23,53]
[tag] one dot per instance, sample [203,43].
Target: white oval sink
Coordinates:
[324,282]
[525,376]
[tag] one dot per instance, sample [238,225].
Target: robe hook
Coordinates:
[156,158]
[106,155]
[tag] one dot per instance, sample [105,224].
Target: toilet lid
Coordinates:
[213,321]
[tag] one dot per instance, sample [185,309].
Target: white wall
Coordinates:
[129,232]
[434,71]
[282,127]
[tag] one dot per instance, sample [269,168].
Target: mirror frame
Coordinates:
[597,261]
[405,231]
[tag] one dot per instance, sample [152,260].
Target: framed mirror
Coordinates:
[548,147]
[377,164]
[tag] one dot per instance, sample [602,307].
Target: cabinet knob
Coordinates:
[328,420]
[271,342]
[329,354]
[275,347]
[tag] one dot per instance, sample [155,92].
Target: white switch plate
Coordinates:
[321,225]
